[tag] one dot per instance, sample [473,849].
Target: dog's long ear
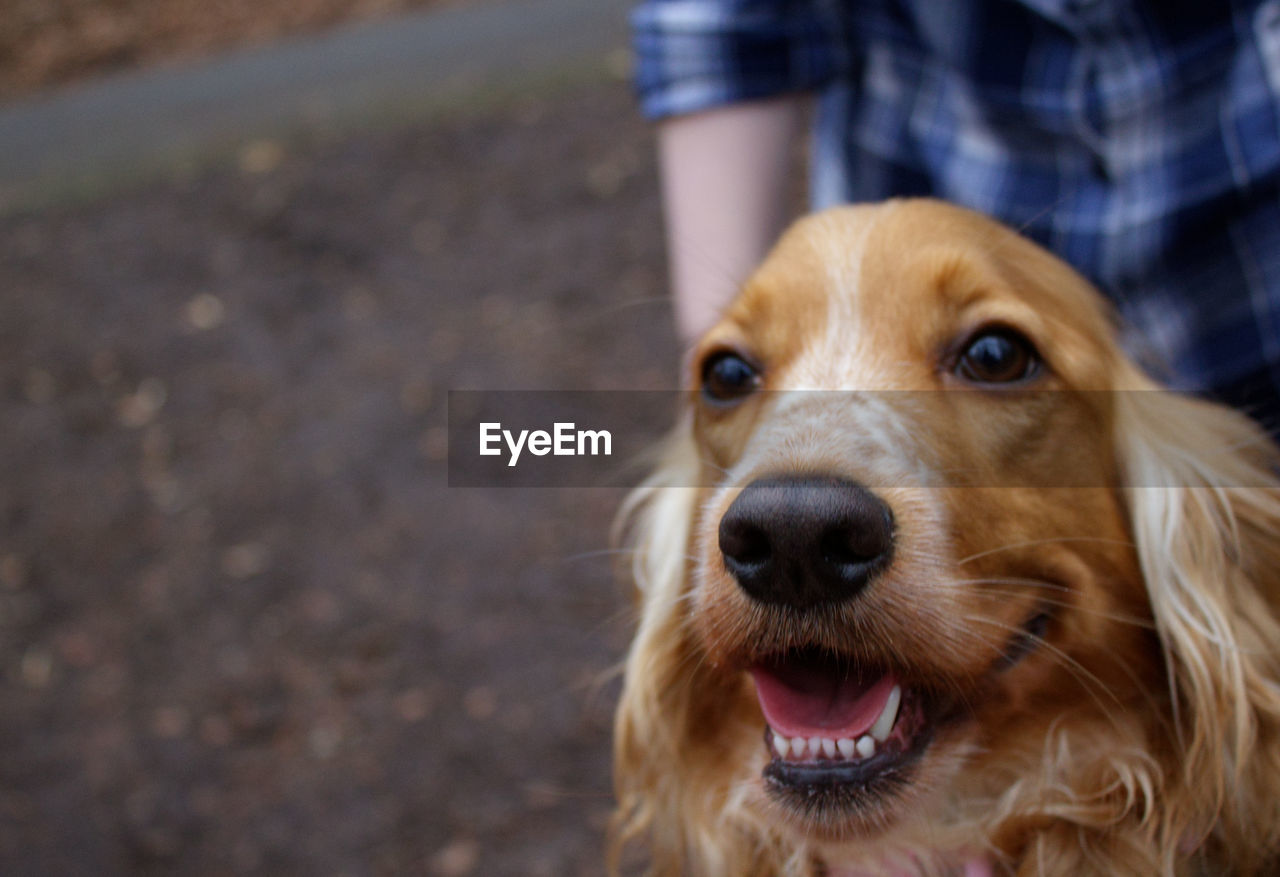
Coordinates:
[1204,500]
[655,525]
[672,774]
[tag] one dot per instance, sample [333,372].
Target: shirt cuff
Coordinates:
[694,55]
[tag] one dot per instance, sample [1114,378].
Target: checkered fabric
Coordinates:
[1138,140]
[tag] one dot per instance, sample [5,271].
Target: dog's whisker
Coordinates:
[1119,618]
[679,599]
[1029,543]
[1039,642]
[597,552]
[1089,680]
[992,585]
[1062,658]
[706,461]
[1036,584]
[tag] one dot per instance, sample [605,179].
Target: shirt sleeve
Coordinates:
[698,54]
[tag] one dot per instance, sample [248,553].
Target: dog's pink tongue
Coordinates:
[801,701]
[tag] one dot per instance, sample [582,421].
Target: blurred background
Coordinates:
[246,249]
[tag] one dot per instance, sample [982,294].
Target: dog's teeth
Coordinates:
[884,725]
[802,748]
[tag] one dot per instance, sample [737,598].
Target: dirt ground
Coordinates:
[244,625]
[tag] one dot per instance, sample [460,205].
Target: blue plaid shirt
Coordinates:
[1138,140]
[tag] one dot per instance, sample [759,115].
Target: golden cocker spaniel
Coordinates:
[934,580]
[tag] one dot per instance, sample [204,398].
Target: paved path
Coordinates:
[91,138]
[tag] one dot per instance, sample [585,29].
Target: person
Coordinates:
[1138,139]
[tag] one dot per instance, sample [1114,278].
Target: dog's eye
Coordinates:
[727,377]
[998,356]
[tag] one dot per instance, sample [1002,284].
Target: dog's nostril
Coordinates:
[843,546]
[804,541]
[744,543]
[862,533]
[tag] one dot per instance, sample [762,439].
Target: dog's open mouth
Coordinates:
[838,735]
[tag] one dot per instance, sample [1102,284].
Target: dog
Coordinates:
[1008,608]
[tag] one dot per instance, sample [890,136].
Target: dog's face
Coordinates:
[955,577]
[901,580]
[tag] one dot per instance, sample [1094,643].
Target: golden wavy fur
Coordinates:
[1083,591]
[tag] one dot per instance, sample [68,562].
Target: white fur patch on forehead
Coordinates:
[839,241]
[843,356]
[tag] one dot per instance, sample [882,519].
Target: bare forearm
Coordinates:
[725,177]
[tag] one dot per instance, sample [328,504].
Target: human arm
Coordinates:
[724,79]
[725,177]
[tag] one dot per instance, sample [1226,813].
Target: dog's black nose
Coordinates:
[804,541]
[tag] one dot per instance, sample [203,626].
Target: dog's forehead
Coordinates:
[867,257]
[865,291]
[836,281]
